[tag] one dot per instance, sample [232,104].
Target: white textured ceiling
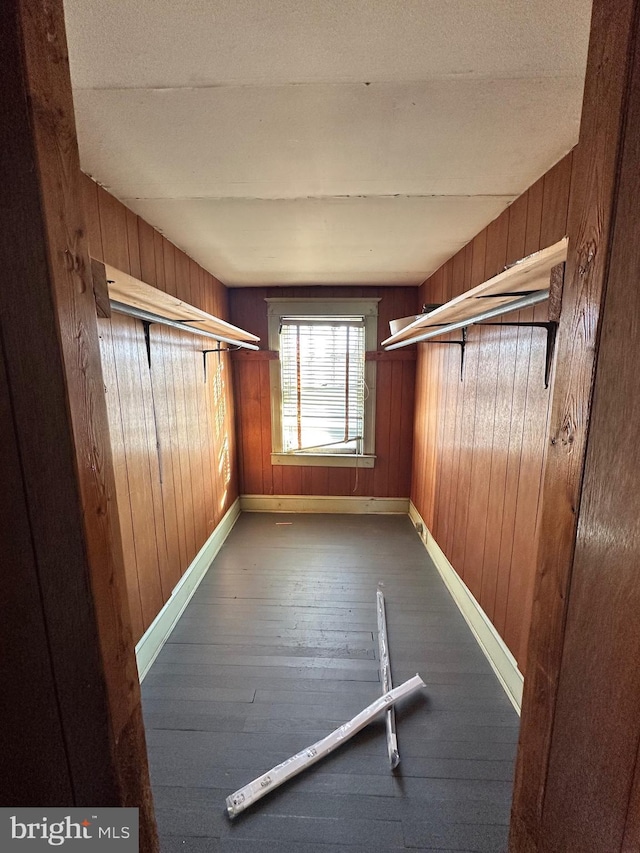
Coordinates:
[356,141]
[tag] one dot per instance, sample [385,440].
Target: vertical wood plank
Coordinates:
[534,218]
[185,438]
[183,284]
[61,426]
[501,434]
[593,189]
[169,264]
[517,229]
[252,431]
[151,448]
[162,377]
[229,443]
[206,466]
[555,202]
[158,256]
[158,259]
[265,425]
[113,228]
[147,253]
[405,434]
[133,243]
[383,427]
[506,554]
[92,216]
[396,451]
[602,637]
[114,412]
[126,333]
[458,380]
[30,706]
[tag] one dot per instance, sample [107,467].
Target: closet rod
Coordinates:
[183,325]
[516,305]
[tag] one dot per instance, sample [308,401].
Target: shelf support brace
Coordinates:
[218,349]
[552,330]
[147,340]
[461,343]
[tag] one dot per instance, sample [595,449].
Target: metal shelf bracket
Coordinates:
[218,349]
[461,343]
[552,330]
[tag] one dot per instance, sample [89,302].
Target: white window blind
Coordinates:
[323,389]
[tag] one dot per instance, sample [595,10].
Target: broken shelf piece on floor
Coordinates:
[385,678]
[244,797]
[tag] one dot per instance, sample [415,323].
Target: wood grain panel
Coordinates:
[215,431]
[26,657]
[229,443]
[383,425]
[168,452]
[250,414]
[169,263]
[396,451]
[513,463]
[500,439]
[459,278]
[126,342]
[163,517]
[113,228]
[529,486]
[391,474]
[158,257]
[183,281]
[516,233]
[92,216]
[206,449]
[172,433]
[479,445]
[580,725]
[146,248]
[133,243]
[265,430]
[59,449]
[121,473]
[555,201]
[442,290]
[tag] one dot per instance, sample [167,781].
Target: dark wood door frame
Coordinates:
[576,782]
[71,718]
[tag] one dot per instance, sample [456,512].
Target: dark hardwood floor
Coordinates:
[276,649]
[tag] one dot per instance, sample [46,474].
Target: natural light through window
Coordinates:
[323,381]
[323,384]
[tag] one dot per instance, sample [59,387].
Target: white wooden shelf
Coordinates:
[520,285]
[131,296]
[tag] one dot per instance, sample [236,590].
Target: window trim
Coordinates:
[277,307]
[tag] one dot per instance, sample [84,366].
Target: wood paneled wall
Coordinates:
[577,784]
[395,385]
[480,442]
[172,433]
[71,731]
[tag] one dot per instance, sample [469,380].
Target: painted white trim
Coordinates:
[322,503]
[502,661]
[324,460]
[277,307]
[156,634]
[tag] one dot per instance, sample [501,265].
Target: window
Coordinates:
[323,388]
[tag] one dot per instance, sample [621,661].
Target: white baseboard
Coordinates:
[156,634]
[502,661]
[322,503]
